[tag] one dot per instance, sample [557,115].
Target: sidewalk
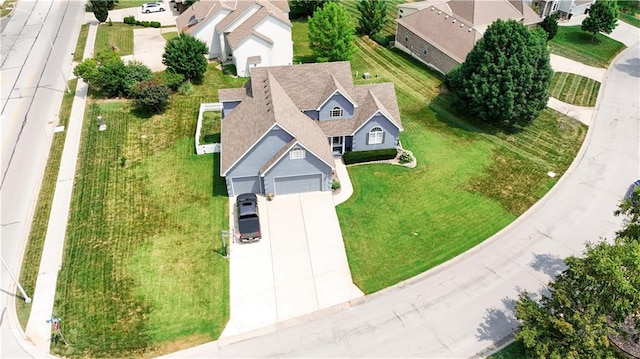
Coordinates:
[346,189]
[38,330]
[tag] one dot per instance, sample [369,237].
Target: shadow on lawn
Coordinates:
[219,186]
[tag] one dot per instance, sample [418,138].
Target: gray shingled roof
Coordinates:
[436,23]
[279,94]
[198,13]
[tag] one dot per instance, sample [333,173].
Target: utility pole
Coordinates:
[27,299]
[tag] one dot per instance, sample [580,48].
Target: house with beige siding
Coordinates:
[442,33]
[281,131]
[250,33]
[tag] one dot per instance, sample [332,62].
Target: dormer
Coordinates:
[338,105]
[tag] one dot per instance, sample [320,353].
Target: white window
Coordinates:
[336,112]
[424,49]
[406,36]
[375,136]
[296,154]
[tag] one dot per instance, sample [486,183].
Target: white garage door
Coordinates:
[246,185]
[298,184]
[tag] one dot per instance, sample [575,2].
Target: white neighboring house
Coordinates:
[250,33]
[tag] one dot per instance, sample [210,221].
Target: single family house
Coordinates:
[566,8]
[281,131]
[250,33]
[442,33]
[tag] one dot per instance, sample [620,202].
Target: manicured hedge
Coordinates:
[368,156]
[131,20]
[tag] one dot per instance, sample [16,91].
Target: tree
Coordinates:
[505,77]
[550,25]
[630,208]
[184,55]
[587,302]
[136,72]
[602,17]
[331,33]
[304,8]
[373,16]
[100,9]
[151,96]
[107,72]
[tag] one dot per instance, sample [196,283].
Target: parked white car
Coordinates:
[152,7]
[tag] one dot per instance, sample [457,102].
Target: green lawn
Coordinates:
[514,350]
[630,19]
[169,35]
[210,132]
[123,4]
[82,41]
[299,34]
[574,89]
[573,43]
[471,180]
[143,272]
[119,35]
[392,14]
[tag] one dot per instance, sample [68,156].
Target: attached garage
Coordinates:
[298,184]
[246,185]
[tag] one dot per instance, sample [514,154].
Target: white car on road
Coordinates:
[152,7]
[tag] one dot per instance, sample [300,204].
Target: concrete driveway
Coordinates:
[298,267]
[148,47]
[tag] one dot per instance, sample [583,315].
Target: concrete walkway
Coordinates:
[38,330]
[346,188]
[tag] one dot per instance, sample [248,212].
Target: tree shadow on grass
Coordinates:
[499,323]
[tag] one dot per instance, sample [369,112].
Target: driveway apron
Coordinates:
[298,267]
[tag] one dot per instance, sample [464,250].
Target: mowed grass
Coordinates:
[471,179]
[631,19]
[574,89]
[573,43]
[300,36]
[82,41]
[117,36]
[124,4]
[210,132]
[33,252]
[514,350]
[143,272]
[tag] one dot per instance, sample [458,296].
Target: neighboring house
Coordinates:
[566,8]
[442,33]
[249,33]
[281,131]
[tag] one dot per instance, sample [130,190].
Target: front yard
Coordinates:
[573,43]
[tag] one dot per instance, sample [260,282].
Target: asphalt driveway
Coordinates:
[298,267]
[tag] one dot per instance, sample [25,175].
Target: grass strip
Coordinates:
[573,43]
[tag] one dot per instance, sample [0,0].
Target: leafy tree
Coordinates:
[373,16]
[505,77]
[331,33]
[87,70]
[136,72]
[550,25]
[172,79]
[100,9]
[151,96]
[587,302]
[602,17]
[184,55]
[631,210]
[304,8]
[111,4]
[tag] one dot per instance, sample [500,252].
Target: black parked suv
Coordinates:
[248,221]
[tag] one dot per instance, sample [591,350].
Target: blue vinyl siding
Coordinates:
[360,138]
[336,100]
[287,167]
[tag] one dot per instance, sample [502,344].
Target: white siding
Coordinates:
[280,34]
[252,46]
[207,34]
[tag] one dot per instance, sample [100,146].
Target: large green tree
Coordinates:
[505,78]
[603,17]
[100,9]
[184,55]
[304,8]
[373,16]
[595,299]
[332,33]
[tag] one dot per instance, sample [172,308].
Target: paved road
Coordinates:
[32,88]
[464,307]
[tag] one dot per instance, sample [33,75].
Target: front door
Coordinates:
[337,145]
